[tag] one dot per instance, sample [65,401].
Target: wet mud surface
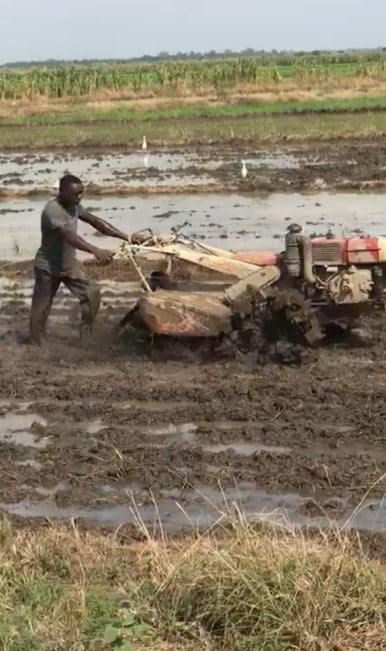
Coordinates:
[111,437]
[357,164]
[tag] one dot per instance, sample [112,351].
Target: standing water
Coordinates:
[231,221]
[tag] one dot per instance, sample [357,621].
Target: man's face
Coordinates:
[73,195]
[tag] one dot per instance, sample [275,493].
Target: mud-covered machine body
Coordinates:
[298,292]
[339,278]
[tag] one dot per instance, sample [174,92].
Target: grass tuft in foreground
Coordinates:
[239,589]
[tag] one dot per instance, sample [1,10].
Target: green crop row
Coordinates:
[81,80]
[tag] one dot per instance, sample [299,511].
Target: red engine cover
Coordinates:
[361,250]
[352,250]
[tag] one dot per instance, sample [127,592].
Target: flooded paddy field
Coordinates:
[111,437]
[231,221]
[305,166]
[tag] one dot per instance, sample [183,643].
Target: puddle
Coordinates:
[14,429]
[13,405]
[60,487]
[104,489]
[185,433]
[178,509]
[281,161]
[186,429]
[115,170]
[229,221]
[200,508]
[244,448]
[174,434]
[94,426]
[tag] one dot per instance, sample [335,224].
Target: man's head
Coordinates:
[70,190]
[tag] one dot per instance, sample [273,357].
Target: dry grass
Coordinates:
[239,589]
[268,591]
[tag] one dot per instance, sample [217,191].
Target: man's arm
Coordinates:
[55,217]
[107,229]
[102,226]
[79,243]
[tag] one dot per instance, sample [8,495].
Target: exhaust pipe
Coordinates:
[298,254]
[308,271]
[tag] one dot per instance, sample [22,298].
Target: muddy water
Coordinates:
[124,170]
[114,170]
[244,448]
[283,161]
[229,221]
[186,506]
[187,509]
[15,429]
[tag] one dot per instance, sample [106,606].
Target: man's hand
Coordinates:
[104,255]
[141,236]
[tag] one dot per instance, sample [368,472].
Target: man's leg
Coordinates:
[89,297]
[44,292]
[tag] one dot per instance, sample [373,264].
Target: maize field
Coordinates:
[220,74]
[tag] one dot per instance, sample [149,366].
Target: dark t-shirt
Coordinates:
[55,255]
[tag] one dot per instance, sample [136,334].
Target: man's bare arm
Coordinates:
[79,243]
[103,227]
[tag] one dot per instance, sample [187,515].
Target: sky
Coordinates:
[103,29]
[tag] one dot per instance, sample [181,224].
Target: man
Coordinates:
[56,262]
